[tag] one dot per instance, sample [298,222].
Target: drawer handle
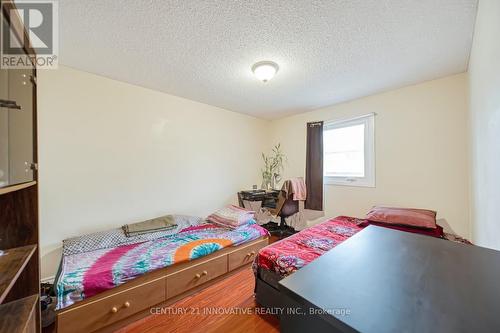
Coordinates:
[250,254]
[126,304]
[198,275]
[9,104]
[114,309]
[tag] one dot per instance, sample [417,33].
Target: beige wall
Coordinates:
[113,153]
[421,151]
[484,88]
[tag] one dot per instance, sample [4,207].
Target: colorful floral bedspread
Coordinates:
[86,274]
[292,253]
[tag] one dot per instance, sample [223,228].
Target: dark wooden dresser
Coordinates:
[383,280]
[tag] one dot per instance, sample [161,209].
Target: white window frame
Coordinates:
[369,179]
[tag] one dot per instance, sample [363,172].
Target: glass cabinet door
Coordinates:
[21,126]
[4,129]
[16,125]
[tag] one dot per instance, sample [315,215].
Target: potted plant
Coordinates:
[273,167]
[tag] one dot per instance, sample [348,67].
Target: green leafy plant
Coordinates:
[273,167]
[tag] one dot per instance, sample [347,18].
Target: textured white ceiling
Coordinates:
[328,50]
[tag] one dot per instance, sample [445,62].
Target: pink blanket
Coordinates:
[297,187]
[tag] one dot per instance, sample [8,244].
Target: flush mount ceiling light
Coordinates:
[265,70]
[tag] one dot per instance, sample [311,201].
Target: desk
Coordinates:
[268,198]
[394,281]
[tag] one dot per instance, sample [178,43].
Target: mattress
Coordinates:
[86,274]
[280,259]
[284,257]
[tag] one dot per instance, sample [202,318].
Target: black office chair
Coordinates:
[285,207]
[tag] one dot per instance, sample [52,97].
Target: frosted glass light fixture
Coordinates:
[265,70]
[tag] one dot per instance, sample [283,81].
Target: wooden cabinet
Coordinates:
[19,253]
[20,316]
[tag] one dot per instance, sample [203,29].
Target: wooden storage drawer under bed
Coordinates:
[193,276]
[245,254]
[93,316]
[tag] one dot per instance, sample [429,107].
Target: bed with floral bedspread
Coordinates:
[85,274]
[284,257]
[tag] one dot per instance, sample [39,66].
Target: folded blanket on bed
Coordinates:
[158,224]
[232,216]
[145,232]
[116,237]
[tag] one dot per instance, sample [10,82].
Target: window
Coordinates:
[349,152]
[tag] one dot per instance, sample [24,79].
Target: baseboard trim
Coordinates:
[48,279]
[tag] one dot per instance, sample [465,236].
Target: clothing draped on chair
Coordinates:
[314,166]
[295,187]
[296,192]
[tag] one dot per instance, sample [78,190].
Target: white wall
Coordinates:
[484,89]
[112,153]
[421,151]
